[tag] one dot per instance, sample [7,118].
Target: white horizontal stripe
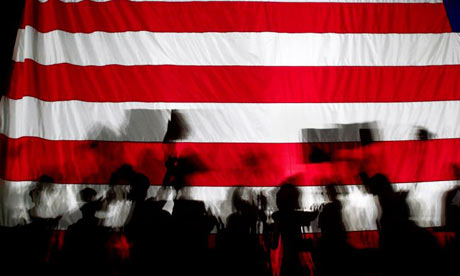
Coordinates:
[250,49]
[306,1]
[224,122]
[360,209]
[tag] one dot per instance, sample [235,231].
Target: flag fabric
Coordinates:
[260,86]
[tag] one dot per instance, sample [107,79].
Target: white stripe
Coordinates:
[360,210]
[250,49]
[305,1]
[224,122]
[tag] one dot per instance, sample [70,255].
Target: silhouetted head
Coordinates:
[91,206]
[287,198]
[242,200]
[378,185]
[139,187]
[120,179]
[122,176]
[331,190]
[88,194]
[44,182]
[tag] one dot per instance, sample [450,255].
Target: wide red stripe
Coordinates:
[234,16]
[249,84]
[229,164]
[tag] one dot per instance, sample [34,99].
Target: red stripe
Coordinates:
[120,16]
[228,164]
[250,84]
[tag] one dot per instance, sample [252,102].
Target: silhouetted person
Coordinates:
[452,204]
[288,223]
[116,197]
[239,248]
[192,225]
[406,249]
[334,256]
[452,224]
[116,205]
[84,243]
[148,229]
[452,209]
[38,233]
[119,180]
[89,209]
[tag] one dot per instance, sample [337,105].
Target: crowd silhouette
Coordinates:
[188,238]
[159,242]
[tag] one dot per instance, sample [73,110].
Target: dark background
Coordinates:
[11,15]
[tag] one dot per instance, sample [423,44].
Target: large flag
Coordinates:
[267,90]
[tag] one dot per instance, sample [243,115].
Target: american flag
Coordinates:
[260,85]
